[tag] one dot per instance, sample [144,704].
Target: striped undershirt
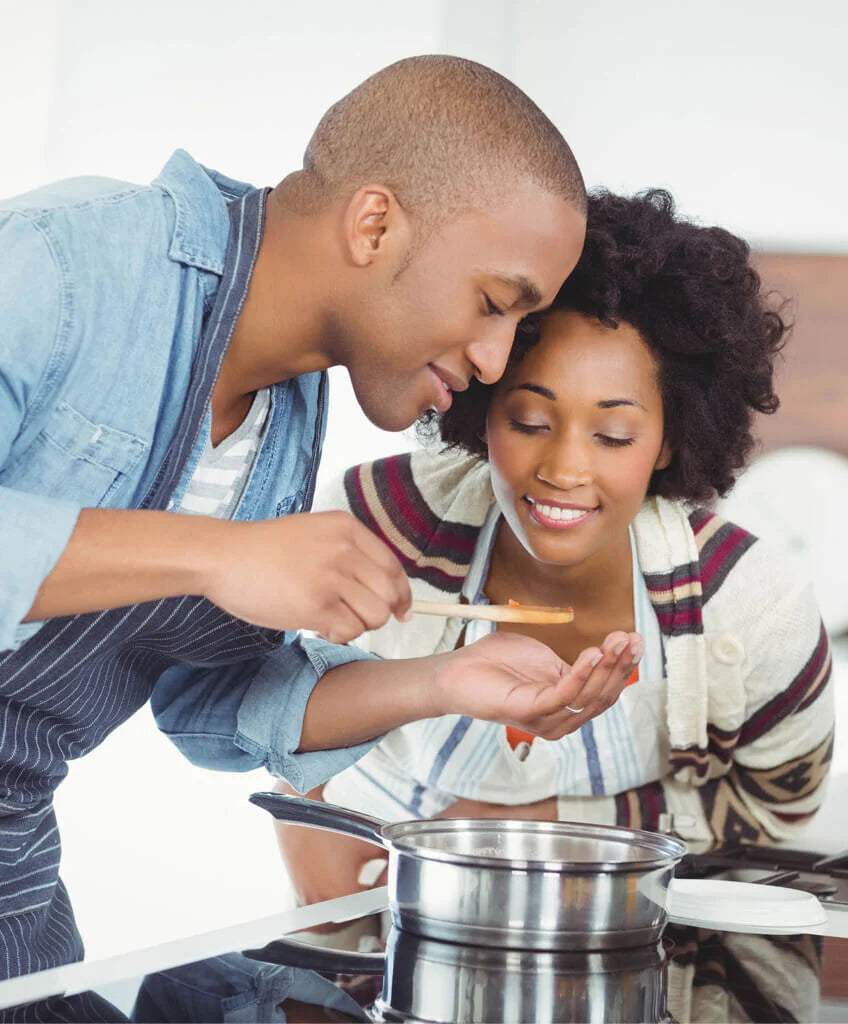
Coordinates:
[222,472]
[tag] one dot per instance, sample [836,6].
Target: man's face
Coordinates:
[451,314]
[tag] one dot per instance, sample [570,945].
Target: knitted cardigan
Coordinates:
[748,667]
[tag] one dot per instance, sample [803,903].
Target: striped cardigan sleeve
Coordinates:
[778,758]
[763,780]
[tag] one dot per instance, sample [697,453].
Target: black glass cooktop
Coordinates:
[692,974]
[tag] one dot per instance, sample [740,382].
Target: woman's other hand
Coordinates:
[323,865]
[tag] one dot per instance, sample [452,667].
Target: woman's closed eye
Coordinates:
[615,442]
[491,308]
[527,428]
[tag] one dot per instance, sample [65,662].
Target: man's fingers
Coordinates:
[365,604]
[342,624]
[382,584]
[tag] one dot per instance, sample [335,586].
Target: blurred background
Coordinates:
[738,108]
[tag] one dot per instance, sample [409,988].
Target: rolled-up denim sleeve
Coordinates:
[246,716]
[35,529]
[233,989]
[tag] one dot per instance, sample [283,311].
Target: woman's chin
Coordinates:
[541,550]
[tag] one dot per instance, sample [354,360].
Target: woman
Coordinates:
[580,479]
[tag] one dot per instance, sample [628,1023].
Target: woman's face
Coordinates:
[575,431]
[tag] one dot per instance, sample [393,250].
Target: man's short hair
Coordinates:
[445,134]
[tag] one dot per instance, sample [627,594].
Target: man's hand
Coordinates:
[322,571]
[515,680]
[323,865]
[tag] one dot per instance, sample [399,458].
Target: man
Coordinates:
[161,353]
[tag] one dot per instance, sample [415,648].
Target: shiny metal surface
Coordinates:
[440,983]
[425,980]
[544,845]
[528,909]
[300,811]
[518,884]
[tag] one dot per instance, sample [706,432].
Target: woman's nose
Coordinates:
[566,471]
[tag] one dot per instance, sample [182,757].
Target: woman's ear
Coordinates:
[664,457]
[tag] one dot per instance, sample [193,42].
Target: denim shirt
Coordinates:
[106,290]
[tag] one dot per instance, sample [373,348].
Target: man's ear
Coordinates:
[664,457]
[374,225]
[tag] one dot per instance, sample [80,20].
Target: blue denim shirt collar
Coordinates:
[199,240]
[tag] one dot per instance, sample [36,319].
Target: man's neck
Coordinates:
[283,329]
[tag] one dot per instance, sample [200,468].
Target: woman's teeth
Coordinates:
[555,512]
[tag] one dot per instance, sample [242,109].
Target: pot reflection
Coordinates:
[707,977]
[432,981]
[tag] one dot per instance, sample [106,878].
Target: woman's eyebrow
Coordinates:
[611,403]
[604,403]
[537,389]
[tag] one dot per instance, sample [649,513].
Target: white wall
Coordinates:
[738,107]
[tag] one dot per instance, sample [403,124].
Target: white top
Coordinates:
[422,768]
[222,472]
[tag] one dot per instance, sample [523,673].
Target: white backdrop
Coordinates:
[738,107]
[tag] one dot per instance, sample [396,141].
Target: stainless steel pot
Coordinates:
[513,884]
[440,982]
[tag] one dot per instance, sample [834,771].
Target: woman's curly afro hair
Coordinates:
[694,297]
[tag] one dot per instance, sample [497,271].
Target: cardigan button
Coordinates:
[522,751]
[727,649]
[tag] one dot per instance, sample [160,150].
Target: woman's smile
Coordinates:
[557,515]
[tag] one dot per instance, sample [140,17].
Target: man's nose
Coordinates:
[489,355]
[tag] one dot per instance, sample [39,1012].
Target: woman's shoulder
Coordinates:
[432,483]
[730,567]
[421,503]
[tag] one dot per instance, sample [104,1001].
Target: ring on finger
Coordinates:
[576,711]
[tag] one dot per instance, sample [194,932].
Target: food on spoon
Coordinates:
[512,612]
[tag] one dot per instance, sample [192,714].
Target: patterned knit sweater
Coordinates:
[749,692]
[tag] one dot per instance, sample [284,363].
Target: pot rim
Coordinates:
[667,850]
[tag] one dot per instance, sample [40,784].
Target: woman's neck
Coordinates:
[601,582]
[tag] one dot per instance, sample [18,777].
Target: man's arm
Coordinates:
[57,558]
[323,572]
[33,306]
[312,708]
[504,678]
[118,557]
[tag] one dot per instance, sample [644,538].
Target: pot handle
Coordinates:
[316,814]
[290,953]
